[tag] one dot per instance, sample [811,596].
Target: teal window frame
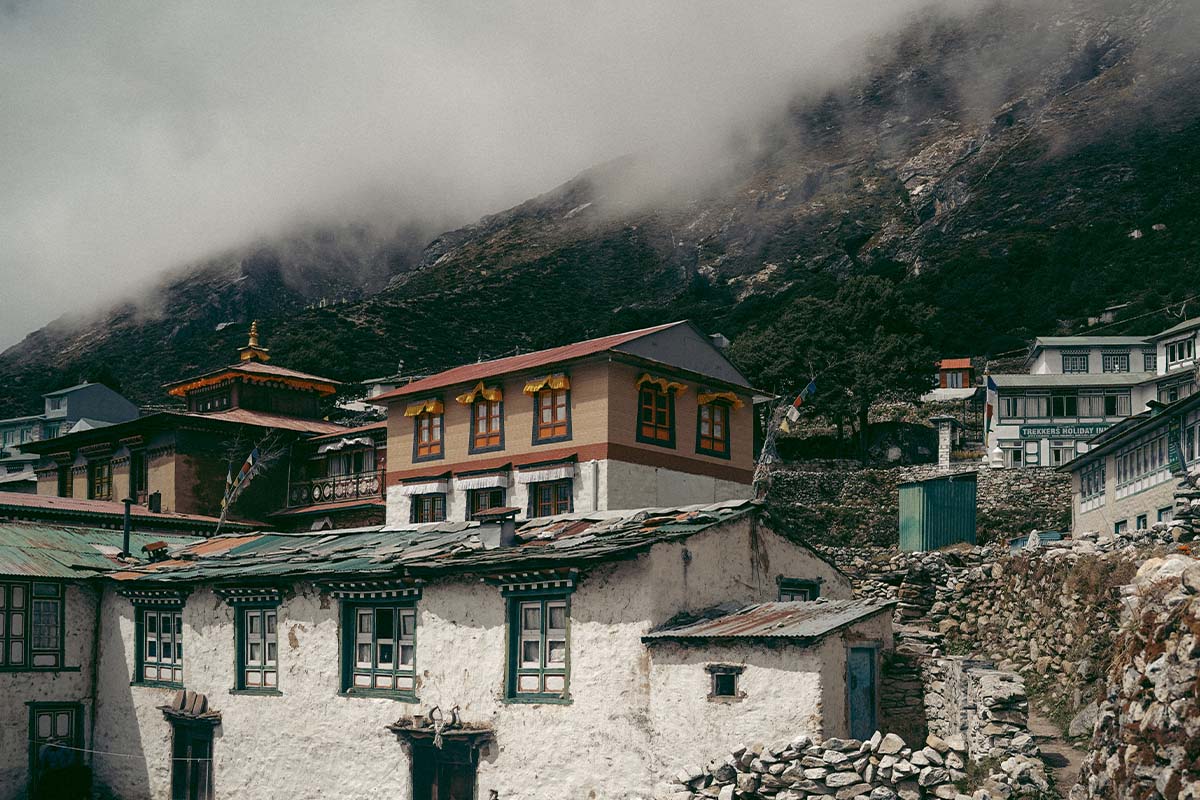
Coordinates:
[793,586]
[144,636]
[355,670]
[27,609]
[267,669]
[523,673]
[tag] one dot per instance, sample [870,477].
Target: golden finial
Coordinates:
[252,351]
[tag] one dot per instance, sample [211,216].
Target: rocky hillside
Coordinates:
[1012,169]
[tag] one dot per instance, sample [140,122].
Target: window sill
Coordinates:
[39,669]
[422,459]
[474,451]
[403,697]
[713,453]
[534,699]
[669,445]
[157,684]
[727,698]
[552,440]
[260,692]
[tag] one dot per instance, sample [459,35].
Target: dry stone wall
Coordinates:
[840,503]
[1146,736]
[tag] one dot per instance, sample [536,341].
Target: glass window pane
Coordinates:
[406,654]
[254,653]
[364,621]
[272,652]
[253,622]
[363,655]
[151,624]
[531,652]
[270,615]
[44,726]
[558,616]
[151,649]
[16,653]
[18,597]
[386,653]
[385,623]
[409,621]
[531,617]
[556,652]
[62,723]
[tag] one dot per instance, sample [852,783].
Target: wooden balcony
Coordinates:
[336,489]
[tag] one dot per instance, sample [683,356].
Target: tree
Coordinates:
[865,344]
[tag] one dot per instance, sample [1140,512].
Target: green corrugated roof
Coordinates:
[55,551]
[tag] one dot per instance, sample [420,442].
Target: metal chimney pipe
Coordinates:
[128,501]
[508,532]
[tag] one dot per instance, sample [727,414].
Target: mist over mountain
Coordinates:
[1015,165]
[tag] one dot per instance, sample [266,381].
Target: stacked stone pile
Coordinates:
[1146,737]
[883,768]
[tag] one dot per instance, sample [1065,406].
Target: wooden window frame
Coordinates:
[518,636]
[793,586]
[441,441]
[100,479]
[535,497]
[74,736]
[655,393]
[540,428]
[19,625]
[726,439]
[498,434]
[267,669]
[434,499]
[397,673]
[725,674]
[472,494]
[144,635]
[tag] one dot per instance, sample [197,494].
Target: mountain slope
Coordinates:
[1013,170]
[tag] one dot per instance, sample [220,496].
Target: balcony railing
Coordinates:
[336,489]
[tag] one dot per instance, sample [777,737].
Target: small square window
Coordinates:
[725,681]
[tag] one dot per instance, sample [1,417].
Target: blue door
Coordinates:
[860,688]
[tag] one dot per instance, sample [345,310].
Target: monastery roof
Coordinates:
[16,503]
[251,370]
[469,373]
[54,551]
[438,548]
[800,620]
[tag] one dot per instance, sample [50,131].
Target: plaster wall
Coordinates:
[784,690]
[70,685]
[312,742]
[1105,517]
[640,486]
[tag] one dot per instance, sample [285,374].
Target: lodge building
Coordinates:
[655,417]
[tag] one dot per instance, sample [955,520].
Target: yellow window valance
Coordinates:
[662,383]
[493,393]
[704,398]
[431,406]
[556,381]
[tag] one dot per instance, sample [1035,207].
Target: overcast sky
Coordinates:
[138,137]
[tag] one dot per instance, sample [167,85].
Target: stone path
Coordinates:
[1062,758]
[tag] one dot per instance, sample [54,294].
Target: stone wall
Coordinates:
[1146,737]
[839,503]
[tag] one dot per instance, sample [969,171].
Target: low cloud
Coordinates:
[139,137]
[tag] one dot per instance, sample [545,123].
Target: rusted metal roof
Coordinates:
[469,373]
[21,504]
[438,548]
[955,363]
[53,551]
[806,620]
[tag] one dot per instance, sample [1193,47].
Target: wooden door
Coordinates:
[442,775]
[191,763]
[862,691]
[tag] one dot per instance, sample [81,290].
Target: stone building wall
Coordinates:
[839,503]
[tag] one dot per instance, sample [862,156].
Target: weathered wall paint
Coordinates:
[311,742]
[73,686]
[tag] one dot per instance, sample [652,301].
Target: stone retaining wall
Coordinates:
[837,503]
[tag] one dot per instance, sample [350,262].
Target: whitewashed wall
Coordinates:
[312,743]
[19,688]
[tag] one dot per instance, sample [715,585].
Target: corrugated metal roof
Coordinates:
[955,363]
[20,501]
[1088,341]
[806,620]
[381,425]
[442,547]
[1187,324]
[1081,380]
[52,551]
[469,373]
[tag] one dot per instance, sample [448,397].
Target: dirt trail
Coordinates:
[1062,758]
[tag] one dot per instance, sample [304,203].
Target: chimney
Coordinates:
[507,517]
[154,502]
[128,501]
[155,551]
[719,341]
[945,430]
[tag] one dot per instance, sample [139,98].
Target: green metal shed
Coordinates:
[937,512]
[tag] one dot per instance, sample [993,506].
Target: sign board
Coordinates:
[1066,431]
